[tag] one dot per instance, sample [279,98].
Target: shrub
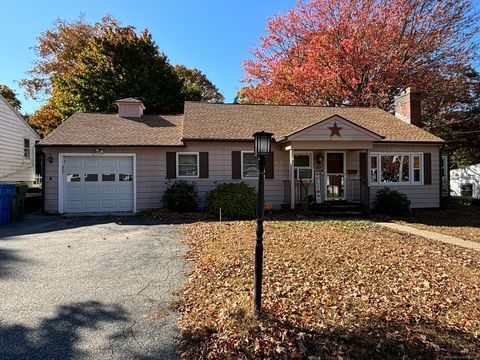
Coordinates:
[237,201]
[181,196]
[475,202]
[461,199]
[391,202]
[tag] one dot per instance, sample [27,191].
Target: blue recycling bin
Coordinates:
[6,194]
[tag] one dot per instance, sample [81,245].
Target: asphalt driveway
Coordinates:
[89,288]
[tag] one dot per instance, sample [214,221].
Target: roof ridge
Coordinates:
[288,105]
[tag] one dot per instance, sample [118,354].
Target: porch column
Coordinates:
[292,181]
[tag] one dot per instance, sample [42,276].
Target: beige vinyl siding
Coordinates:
[421,196]
[220,169]
[151,171]
[13,130]
[353,180]
[322,132]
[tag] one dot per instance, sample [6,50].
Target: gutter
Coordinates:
[107,146]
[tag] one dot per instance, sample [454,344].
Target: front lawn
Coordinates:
[332,289]
[458,220]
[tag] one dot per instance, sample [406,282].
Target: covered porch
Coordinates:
[322,176]
[328,164]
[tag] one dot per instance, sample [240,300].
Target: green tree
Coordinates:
[83,67]
[117,64]
[196,86]
[452,111]
[11,96]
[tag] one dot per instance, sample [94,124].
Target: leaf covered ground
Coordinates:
[332,289]
[458,220]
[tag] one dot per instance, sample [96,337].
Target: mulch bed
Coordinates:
[332,289]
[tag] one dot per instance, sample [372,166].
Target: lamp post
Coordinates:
[263,145]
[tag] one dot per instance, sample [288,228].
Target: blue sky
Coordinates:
[212,35]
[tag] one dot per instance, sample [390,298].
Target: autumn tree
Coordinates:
[57,52]
[196,86]
[363,52]
[11,97]
[358,52]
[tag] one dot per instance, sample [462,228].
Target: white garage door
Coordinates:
[98,184]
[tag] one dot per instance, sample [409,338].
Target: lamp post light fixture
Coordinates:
[262,148]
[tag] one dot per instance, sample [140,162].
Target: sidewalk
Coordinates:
[447,239]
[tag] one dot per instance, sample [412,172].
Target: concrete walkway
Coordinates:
[447,239]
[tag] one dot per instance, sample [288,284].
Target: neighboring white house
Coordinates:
[17,146]
[466,181]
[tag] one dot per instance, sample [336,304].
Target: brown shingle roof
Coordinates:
[205,121]
[110,129]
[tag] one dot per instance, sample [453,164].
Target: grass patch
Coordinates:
[332,289]
[460,220]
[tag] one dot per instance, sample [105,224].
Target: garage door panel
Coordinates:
[91,205]
[91,164]
[124,163]
[74,205]
[125,204]
[91,191]
[110,204]
[74,163]
[95,192]
[124,190]
[108,163]
[73,191]
[110,190]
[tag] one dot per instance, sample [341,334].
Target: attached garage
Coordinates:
[92,183]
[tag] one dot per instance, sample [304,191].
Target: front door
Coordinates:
[335,176]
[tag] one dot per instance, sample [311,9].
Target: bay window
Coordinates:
[396,168]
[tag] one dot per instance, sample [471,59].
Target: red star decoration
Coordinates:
[335,130]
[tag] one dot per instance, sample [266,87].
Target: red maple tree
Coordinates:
[359,52]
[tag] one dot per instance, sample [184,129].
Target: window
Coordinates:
[417,173]
[466,189]
[26,148]
[91,177]
[396,168]
[108,177]
[125,177]
[73,177]
[249,165]
[302,165]
[187,165]
[374,169]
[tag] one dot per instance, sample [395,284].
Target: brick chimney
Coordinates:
[408,106]
[130,107]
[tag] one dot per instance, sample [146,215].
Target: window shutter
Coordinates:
[427,168]
[236,165]
[171,165]
[203,173]
[269,167]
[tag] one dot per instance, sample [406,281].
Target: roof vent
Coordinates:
[408,106]
[130,107]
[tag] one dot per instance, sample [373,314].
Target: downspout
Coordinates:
[42,174]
